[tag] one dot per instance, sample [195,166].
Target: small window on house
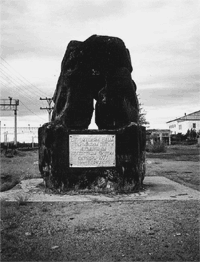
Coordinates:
[194,125]
[180,127]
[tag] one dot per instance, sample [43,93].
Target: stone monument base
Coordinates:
[96,160]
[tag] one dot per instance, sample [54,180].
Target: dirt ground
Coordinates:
[101,231]
[128,230]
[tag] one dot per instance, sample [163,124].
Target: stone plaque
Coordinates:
[92,150]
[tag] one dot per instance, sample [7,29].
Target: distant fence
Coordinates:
[24,134]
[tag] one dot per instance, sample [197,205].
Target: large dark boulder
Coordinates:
[98,68]
[117,103]
[88,67]
[105,54]
[74,101]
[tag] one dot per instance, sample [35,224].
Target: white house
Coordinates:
[182,124]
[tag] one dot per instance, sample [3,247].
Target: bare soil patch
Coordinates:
[101,231]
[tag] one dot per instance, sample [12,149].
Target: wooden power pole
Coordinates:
[11,105]
[49,109]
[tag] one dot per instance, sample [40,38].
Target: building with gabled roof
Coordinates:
[182,124]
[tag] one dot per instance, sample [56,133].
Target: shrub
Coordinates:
[8,181]
[157,148]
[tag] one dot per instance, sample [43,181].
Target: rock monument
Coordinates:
[112,157]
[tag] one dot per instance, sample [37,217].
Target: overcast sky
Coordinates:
[161,35]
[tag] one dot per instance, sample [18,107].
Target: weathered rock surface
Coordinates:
[117,103]
[99,63]
[130,160]
[98,68]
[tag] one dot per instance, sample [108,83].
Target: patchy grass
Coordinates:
[190,179]
[23,165]
[10,222]
[178,153]
[180,164]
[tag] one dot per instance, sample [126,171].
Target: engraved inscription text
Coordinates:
[92,150]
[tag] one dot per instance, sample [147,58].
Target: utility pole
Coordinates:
[49,109]
[11,105]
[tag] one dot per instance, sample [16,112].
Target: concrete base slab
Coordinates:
[157,188]
[162,188]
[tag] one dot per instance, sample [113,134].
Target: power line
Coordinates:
[10,79]
[21,76]
[16,84]
[30,101]
[16,81]
[29,108]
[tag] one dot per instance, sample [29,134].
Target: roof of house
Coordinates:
[190,117]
